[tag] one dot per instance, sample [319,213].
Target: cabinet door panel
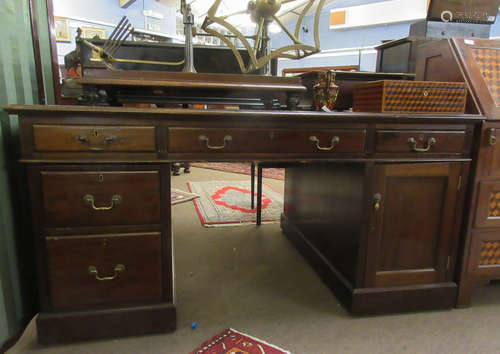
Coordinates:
[488,205]
[412,229]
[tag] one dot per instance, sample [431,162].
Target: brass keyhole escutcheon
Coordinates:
[492,140]
[101,178]
[96,133]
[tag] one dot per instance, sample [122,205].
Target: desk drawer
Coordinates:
[81,138]
[100,198]
[420,141]
[104,269]
[191,140]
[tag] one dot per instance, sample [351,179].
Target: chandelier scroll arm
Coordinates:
[258,36]
[308,50]
[298,25]
[282,25]
[301,17]
[317,17]
[233,14]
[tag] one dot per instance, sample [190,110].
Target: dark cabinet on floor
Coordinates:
[385,235]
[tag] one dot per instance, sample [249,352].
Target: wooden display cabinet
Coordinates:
[475,62]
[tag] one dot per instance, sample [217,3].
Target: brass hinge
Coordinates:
[448,263]
[459,186]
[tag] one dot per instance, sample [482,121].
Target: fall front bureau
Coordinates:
[383,232]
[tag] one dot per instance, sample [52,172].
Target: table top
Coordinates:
[166,113]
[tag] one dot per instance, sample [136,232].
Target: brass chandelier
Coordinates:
[263,13]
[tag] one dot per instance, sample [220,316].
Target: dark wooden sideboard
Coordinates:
[373,201]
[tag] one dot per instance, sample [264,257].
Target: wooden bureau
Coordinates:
[383,231]
[475,62]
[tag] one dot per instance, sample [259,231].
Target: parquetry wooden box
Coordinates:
[390,96]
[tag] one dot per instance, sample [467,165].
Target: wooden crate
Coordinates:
[391,96]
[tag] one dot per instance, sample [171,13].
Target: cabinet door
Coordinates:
[414,213]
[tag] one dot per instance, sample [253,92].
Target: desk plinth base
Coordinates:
[371,301]
[64,327]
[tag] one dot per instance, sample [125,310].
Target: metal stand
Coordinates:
[188,32]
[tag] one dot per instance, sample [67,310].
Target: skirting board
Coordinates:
[63,327]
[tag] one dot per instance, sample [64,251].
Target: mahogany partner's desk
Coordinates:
[373,201]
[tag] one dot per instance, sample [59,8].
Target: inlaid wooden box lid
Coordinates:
[390,96]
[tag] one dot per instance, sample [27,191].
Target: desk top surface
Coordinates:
[164,113]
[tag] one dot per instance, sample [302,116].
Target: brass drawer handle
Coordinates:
[115,200]
[85,140]
[426,93]
[413,144]
[206,140]
[492,140]
[118,269]
[377,201]
[315,140]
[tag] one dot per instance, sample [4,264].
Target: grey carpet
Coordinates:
[251,279]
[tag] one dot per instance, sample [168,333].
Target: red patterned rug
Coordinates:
[231,341]
[244,168]
[224,203]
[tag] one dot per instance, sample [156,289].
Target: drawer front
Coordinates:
[80,138]
[488,205]
[100,198]
[191,140]
[485,254]
[420,141]
[104,270]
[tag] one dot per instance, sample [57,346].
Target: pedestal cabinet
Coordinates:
[104,248]
[385,236]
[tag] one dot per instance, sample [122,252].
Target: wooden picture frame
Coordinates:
[61,25]
[91,32]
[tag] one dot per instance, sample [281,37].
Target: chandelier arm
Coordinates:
[213,9]
[308,50]
[282,25]
[231,46]
[301,18]
[317,17]
[298,25]
[239,35]
[233,14]
[258,37]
